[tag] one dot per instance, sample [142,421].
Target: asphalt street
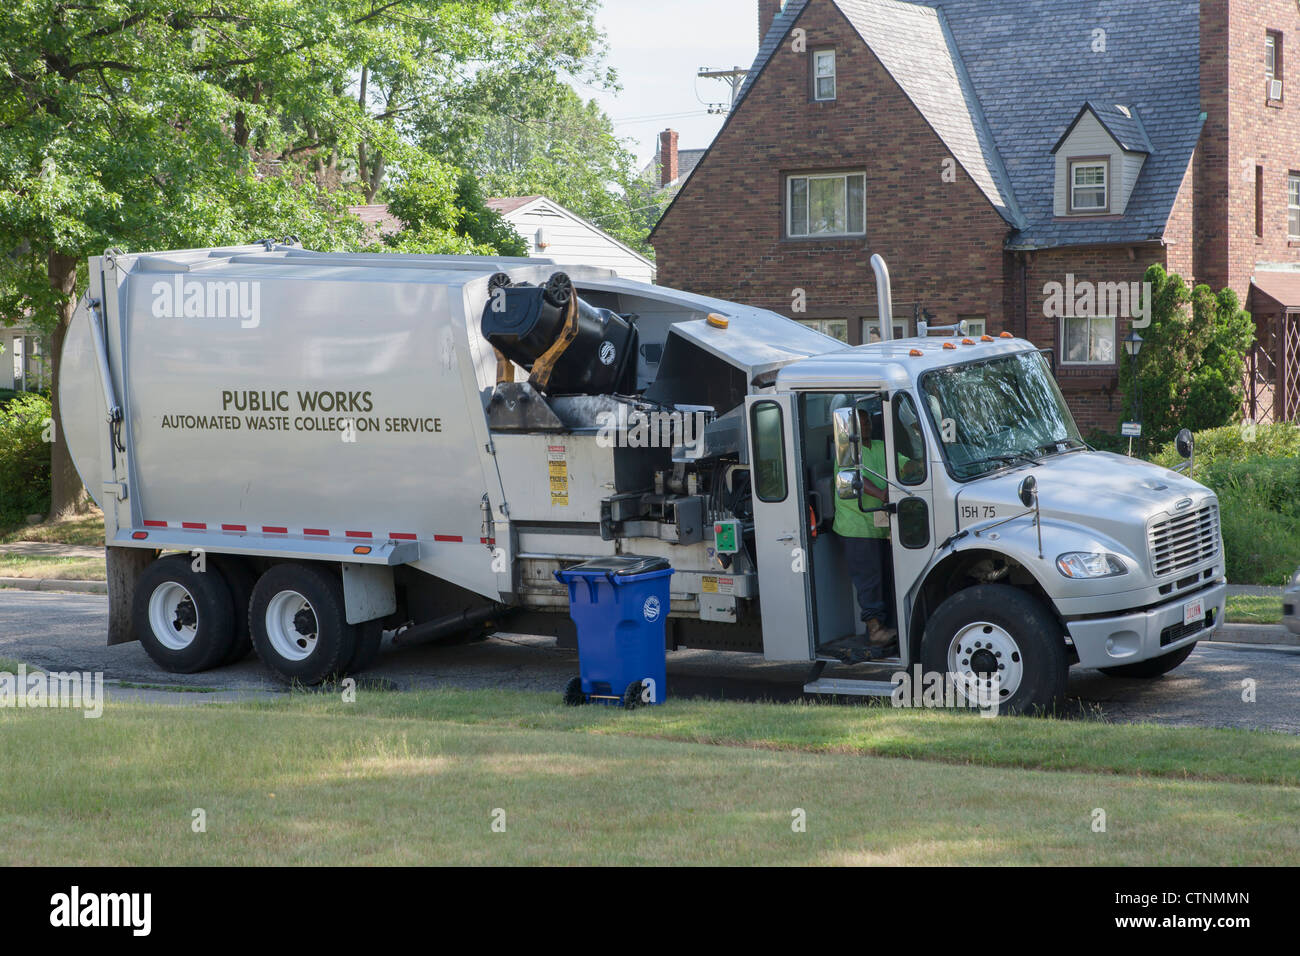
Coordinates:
[65,632]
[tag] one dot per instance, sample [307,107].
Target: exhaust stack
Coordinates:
[884,297]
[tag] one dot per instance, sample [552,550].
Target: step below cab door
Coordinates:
[780,528]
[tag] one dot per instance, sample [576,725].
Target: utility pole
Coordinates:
[734,78]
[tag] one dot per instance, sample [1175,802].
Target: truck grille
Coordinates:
[1184,541]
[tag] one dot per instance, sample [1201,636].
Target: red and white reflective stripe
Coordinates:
[310,532]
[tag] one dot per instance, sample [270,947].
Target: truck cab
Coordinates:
[1017,550]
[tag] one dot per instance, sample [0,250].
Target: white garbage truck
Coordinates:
[297,452]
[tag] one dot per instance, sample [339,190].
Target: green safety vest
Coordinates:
[849,520]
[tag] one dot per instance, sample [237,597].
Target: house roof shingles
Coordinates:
[1122,122]
[1023,69]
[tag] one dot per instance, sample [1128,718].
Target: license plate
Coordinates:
[1193,611]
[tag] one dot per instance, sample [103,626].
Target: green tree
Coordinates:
[1192,364]
[155,124]
[444,217]
[523,130]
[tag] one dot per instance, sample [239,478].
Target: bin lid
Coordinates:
[620,565]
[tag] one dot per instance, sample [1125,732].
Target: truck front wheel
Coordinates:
[298,624]
[183,617]
[1001,648]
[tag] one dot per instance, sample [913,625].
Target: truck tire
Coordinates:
[239,577]
[1155,667]
[997,629]
[298,624]
[370,635]
[184,618]
[573,695]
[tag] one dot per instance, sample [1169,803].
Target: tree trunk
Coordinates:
[65,484]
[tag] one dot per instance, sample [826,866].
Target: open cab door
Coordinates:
[780,528]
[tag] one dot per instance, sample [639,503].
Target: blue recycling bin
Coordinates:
[619,605]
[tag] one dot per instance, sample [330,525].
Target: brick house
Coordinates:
[1019,165]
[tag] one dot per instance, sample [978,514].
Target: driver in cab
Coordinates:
[865,535]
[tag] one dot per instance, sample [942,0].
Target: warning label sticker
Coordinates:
[557,463]
[718,585]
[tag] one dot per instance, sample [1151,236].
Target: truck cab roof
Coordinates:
[898,363]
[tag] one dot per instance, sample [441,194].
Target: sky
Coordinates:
[657,46]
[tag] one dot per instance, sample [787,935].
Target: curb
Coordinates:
[1274,634]
[50,584]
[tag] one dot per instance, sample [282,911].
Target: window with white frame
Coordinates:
[826,205]
[824,74]
[835,328]
[976,325]
[871,329]
[1089,185]
[1088,340]
[1293,205]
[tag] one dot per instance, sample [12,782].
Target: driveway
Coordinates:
[62,632]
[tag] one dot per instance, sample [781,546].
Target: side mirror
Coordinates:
[847,484]
[1028,491]
[1184,443]
[847,448]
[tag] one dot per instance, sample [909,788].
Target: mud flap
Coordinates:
[125,565]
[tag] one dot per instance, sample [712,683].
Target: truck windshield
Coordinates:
[995,413]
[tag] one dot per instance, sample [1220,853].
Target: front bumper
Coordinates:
[1291,609]
[1129,638]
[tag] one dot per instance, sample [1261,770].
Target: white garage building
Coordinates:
[553,232]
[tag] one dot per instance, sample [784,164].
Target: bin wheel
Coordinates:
[573,695]
[632,696]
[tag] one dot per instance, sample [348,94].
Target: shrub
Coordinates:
[24,457]
[1237,443]
[1259,511]
[1191,367]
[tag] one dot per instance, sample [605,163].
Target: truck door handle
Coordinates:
[786,537]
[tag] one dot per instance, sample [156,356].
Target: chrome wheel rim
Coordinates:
[986,663]
[291,626]
[173,616]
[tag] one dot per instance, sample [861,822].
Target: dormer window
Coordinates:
[823,74]
[1090,185]
[1099,160]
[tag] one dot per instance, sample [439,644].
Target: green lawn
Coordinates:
[86,529]
[415,778]
[46,567]
[1253,609]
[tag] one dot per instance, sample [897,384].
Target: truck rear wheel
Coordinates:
[239,577]
[996,631]
[370,635]
[1155,667]
[298,624]
[183,618]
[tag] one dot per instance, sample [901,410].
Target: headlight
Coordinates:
[1090,564]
